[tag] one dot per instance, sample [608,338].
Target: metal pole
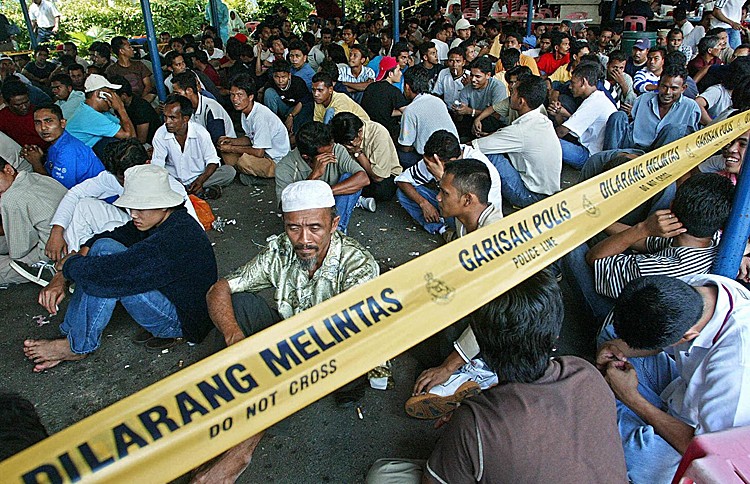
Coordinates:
[734,238]
[153,50]
[32,35]
[529,17]
[613,11]
[396,23]
[343,11]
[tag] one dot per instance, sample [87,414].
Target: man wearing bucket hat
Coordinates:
[308,264]
[92,122]
[159,266]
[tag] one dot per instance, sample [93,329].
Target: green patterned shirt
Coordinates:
[346,264]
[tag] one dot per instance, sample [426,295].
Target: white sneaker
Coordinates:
[442,399]
[39,272]
[367,203]
[476,370]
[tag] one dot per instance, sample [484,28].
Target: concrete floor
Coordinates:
[321,443]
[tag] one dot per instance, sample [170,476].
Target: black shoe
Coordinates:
[142,337]
[162,343]
[211,193]
[350,393]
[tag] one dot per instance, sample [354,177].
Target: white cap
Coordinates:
[96,81]
[147,187]
[5,57]
[463,24]
[306,195]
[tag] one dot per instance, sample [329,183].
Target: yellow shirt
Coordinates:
[562,74]
[340,103]
[378,146]
[524,60]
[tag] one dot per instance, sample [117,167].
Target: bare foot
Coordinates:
[226,468]
[47,353]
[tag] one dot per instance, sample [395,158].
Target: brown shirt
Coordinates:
[561,428]
[135,73]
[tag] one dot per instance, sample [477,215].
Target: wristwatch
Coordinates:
[356,154]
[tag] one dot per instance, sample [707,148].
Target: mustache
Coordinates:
[306,246]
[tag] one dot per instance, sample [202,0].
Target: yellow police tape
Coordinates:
[184,420]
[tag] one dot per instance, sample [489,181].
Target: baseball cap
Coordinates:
[386,64]
[643,44]
[463,24]
[96,81]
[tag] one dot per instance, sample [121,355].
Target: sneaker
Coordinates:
[366,203]
[39,272]
[442,399]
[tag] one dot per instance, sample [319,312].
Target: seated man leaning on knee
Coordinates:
[86,210]
[677,365]
[678,241]
[185,149]
[159,266]
[417,186]
[658,117]
[27,203]
[317,157]
[527,154]
[306,265]
[545,419]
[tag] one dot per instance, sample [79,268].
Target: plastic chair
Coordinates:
[577,16]
[518,14]
[546,12]
[634,23]
[470,13]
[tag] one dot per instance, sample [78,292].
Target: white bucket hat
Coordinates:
[147,187]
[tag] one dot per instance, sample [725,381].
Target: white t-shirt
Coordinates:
[442,49]
[44,14]
[590,119]
[266,131]
[532,147]
[718,99]
[712,390]
[732,9]
[448,87]
[218,54]
[188,163]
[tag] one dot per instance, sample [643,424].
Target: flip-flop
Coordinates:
[430,406]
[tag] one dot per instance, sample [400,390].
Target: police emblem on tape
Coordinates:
[590,208]
[440,292]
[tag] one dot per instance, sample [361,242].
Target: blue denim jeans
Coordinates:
[408,159]
[345,205]
[87,315]
[734,38]
[619,134]
[413,209]
[580,277]
[648,457]
[512,188]
[574,154]
[273,101]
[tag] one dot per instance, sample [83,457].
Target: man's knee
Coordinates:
[107,246]
[396,471]
[253,313]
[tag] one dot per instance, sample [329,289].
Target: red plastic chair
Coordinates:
[577,16]
[546,12]
[633,22]
[716,457]
[470,13]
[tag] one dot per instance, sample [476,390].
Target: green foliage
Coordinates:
[84,39]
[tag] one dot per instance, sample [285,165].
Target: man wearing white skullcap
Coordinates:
[308,264]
